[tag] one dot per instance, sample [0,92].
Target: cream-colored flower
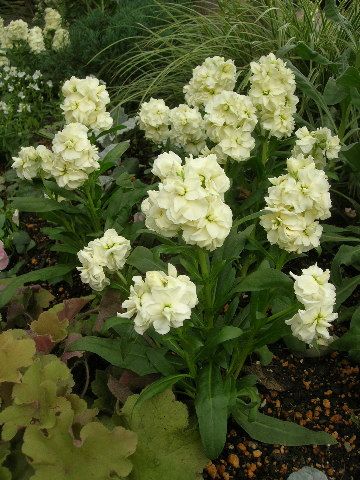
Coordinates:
[36,40]
[154,119]
[52,20]
[61,39]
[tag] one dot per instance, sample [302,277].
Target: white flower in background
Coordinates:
[4,61]
[14,32]
[187,129]
[85,101]
[213,76]
[272,92]
[295,203]
[314,291]
[161,300]
[52,19]
[31,162]
[103,256]
[36,40]
[15,218]
[61,39]
[189,200]
[75,158]
[319,144]
[154,119]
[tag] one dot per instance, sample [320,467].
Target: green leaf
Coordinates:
[168,448]
[216,337]
[44,274]
[331,12]
[94,453]
[211,404]
[50,324]
[333,93]
[346,289]
[346,255]
[307,53]
[113,156]
[349,78]
[349,342]
[351,153]
[108,348]
[144,260]
[274,431]
[38,397]
[263,279]
[35,204]
[17,351]
[159,386]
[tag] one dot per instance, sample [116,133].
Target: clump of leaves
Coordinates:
[168,447]
[17,351]
[51,323]
[96,452]
[39,397]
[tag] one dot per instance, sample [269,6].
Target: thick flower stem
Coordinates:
[207,286]
[92,209]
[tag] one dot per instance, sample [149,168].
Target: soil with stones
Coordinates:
[317,393]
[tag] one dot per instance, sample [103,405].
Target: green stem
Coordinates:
[92,210]
[265,151]
[205,273]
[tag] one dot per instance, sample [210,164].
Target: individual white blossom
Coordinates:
[213,76]
[319,144]
[189,200]
[295,203]
[61,39]
[52,19]
[102,257]
[36,40]
[75,156]
[314,291]
[154,119]
[272,92]
[85,101]
[4,61]
[161,300]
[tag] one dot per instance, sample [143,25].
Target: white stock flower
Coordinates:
[313,290]
[189,200]
[187,129]
[154,118]
[36,40]
[32,162]
[16,31]
[295,203]
[237,144]
[85,101]
[75,158]
[103,256]
[52,19]
[272,92]
[213,76]
[313,286]
[161,300]
[61,39]
[319,144]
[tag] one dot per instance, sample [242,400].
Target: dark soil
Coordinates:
[317,393]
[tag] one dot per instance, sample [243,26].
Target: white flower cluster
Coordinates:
[272,92]
[161,300]
[295,203]
[18,31]
[217,119]
[85,101]
[319,144]
[32,162]
[313,290]
[210,78]
[190,200]
[101,257]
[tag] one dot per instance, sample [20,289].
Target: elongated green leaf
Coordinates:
[217,337]
[211,405]
[34,204]
[44,274]
[350,342]
[144,259]
[262,279]
[346,255]
[307,53]
[334,93]
[332,13]
[159,386]
[352,156]
[107,348]
[346,289]
[112,157]
[350,78]
[274,431]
